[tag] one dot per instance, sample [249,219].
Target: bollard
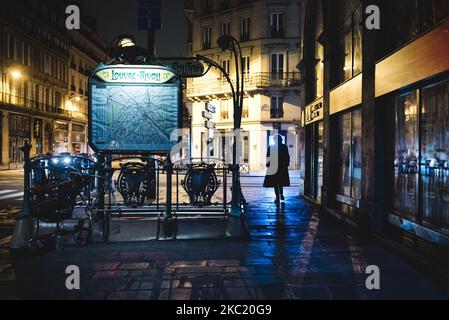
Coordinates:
[23,228]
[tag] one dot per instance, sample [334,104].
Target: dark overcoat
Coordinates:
[277,176]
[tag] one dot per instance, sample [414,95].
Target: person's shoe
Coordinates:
[282,198]
[276,201]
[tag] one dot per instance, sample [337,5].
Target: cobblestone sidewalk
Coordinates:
[293,253]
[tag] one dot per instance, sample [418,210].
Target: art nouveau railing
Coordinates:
[101,188]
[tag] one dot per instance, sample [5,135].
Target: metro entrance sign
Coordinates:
[184,67]
[133,108]
[120,74]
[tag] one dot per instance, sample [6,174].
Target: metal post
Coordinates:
[168,225]
[101,195]
[23,228]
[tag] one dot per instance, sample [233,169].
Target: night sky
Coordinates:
[116,17]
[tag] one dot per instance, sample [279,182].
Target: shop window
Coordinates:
[421,179]
[435,155]
[320,157]
[405,195]
[350,153]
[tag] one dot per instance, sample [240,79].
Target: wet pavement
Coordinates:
[294,253]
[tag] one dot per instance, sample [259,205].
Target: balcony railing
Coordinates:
[253,81]
[276,113]
[30,104]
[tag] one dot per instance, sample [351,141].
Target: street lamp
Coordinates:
[16,74]
[227,42]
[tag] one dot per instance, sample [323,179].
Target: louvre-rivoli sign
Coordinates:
[133,108]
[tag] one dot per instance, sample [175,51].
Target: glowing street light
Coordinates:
[16,74]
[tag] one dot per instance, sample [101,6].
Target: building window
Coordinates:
[207,5]
[246,65]
[245,108]
[406,155]
[10,45]
[277,107]
[349,144]
[226,64]
[245,27]
[319,53]
[277,24]
[421,179]
[224,109]
[225,28]
[277,66]
[350,46]
[207,35]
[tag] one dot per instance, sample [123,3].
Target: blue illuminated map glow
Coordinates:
[134,118]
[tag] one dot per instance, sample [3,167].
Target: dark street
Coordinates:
[293,253]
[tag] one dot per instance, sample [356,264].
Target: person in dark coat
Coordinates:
[278,161]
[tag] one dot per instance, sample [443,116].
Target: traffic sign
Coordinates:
[210,108]
[209,125]
[207,115]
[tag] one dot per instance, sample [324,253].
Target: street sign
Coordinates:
[149,15]
[209,125]
[184,67]
[210,108]
[207,115]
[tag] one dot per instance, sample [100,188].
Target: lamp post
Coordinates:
[225,43]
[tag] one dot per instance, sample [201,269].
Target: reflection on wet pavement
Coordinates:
[294,253]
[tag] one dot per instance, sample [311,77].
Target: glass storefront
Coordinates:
[316,160]
[435,153]
[19,132]
[349,144]
[421,179]
[405,189]
[78,138]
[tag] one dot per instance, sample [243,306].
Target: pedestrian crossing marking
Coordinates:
[12,195]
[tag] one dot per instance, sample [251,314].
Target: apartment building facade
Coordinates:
[37,102]
[86,50]
[268,32]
